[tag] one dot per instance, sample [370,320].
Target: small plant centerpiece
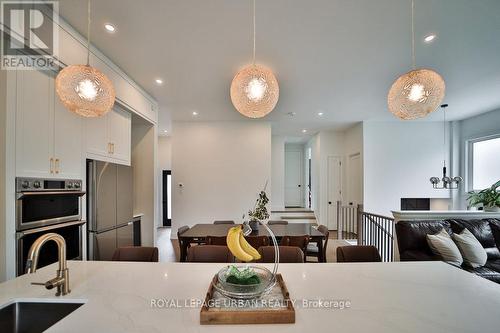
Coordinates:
[259,212]
[489,198]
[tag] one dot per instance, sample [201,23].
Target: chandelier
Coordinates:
[417,93]
[254,89]
[83,89]
[446,183]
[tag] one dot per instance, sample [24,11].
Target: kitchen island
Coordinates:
[377,297]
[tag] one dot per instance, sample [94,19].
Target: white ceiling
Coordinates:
[338,57]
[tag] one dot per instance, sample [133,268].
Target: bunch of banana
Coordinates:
[239,246]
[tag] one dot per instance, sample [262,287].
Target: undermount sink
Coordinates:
[33,316]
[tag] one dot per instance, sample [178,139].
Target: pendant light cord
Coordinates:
[253,59]
[413,61]
[444,135]
[88,33]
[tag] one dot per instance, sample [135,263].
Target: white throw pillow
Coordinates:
[472,251]
[442,245]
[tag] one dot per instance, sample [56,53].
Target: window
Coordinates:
[485,163]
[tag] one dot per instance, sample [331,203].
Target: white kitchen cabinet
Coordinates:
[119,134]
[48,137]
[108,138]
[97,137]
[34,124]
[68,145]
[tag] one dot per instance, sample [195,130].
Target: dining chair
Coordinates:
[216,240]
[298,241]
[358,253]
[224,222]
[209,253]
[288,254]
[136,253]
[277,222]
[257,241]
[313,249]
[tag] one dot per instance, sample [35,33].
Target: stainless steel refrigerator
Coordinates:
[109,208]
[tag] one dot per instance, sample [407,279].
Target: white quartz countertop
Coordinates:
[384,297]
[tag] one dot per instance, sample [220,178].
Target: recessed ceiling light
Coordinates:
[304,131]
[195,113]
[320,114]
[159,81]
[109,27]
[429,38]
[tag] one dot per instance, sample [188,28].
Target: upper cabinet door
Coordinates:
[34,124]
[119,135]
[96,136]
[68,144]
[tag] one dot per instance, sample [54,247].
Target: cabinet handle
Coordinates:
[112,148]
[51,165]
[57,165]
[109,147]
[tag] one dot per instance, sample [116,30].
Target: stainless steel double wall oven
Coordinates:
[48,205]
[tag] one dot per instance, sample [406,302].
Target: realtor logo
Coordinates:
[29,34]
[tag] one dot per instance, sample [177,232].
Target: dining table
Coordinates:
[198,233]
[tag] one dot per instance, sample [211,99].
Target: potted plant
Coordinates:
[489,198]
[259,213]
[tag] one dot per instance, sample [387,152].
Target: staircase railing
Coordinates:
[377,230]
[368,229]
[347,225]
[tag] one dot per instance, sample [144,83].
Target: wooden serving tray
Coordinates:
[224,315]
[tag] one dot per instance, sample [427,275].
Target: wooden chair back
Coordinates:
[209,253]
[136,253]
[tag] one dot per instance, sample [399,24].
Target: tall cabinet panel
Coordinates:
[34,124]
[67,142]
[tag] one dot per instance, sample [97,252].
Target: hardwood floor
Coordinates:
[169,248]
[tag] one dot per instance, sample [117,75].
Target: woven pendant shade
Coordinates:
[85,90]
[416,94]
[254,91]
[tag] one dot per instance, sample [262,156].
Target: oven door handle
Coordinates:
[26,194]
[21,234]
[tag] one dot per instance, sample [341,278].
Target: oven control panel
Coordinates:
[41,184]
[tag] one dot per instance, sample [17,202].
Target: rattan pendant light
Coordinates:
[417,93]
[254,89]
[83,89]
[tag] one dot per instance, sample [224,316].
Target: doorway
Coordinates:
[294,194]
[167,198]
[334,189]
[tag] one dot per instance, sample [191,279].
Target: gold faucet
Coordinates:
[61,281]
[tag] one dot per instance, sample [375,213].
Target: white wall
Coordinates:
[164,163]
[399,159]
[222,165]
[144,164]
[164,153]
[278,172]
[476,127]
[353,144]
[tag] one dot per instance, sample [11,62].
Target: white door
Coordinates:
[96,136]
[334,190]
[34,124]
[354,180]
[119,134]
[293,179]
[67,142]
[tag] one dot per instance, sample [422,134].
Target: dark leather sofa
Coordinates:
[412,242]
